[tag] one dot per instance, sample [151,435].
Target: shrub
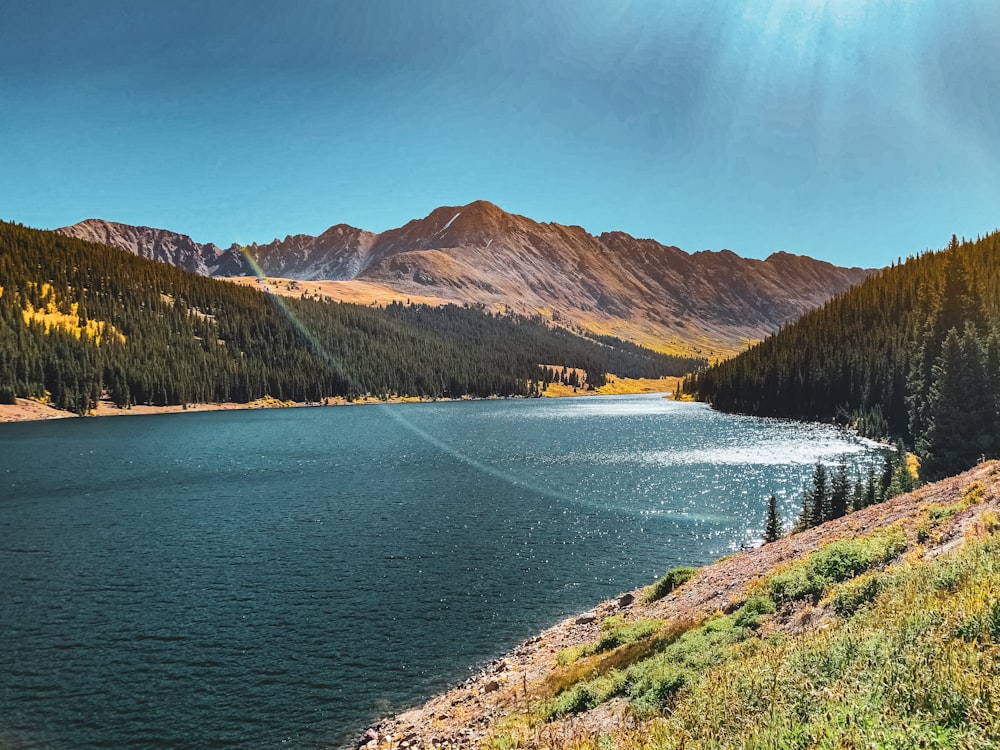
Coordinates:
[616,632]
[941,513]
[854,594]
[573,701]
[990,521]
[748,616]
[973,494]
[983,625]
[923,533]
[570,655]
[658,693]
[948,577]
[671,581]
[586,695]
[834,563]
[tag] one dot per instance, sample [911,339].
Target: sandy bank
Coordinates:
[27,410]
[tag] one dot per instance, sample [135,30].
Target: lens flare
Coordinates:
[298,325]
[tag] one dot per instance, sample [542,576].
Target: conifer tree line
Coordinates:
[913,354]
[833,493]
[147,333]
[560,375]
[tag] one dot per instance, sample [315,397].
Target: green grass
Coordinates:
[654,680]
[672,580]
[917,667]
[650,683]
[615,632]
[834,563]
[910,660]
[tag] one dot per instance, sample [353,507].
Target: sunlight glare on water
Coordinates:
[283,577]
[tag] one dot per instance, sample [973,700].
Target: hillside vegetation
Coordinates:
[79,320]
[912,353]
[879,629]
[695,304]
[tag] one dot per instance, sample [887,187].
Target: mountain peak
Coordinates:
[156,244]
[478,253]
[483,206]
[446,226]
[476,213]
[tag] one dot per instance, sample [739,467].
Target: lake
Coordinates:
[283,577]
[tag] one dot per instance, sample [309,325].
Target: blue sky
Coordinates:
[848,130]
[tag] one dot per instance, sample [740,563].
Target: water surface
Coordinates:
[280,578]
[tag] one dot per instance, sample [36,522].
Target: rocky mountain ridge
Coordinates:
[613,283]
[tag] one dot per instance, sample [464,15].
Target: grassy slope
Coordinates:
[880,629]
[694,340]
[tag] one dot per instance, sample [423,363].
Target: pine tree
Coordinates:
[993,373]
[819,496]
[959,308]
[871,488]
[815,501]
[840,492]
[868,358]
[773,527]
[960,414]
[888,471]
[806,519]
[858,494]
[165,336]
[902,480]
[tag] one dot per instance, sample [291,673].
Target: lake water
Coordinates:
[281,578]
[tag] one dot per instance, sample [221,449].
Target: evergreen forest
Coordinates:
[80,321]
[911,354]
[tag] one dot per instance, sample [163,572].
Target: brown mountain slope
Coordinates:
[155,244]
[705,303]
[338,253]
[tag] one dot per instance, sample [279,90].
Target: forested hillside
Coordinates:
[79,320]
[660,296]
[912,353]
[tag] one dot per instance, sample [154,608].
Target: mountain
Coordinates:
[155,244]
[706,302]
[338,253]
[912,354]
[80,320]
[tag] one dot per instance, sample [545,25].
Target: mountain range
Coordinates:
[706,303]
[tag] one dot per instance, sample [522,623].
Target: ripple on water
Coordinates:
[265,578]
